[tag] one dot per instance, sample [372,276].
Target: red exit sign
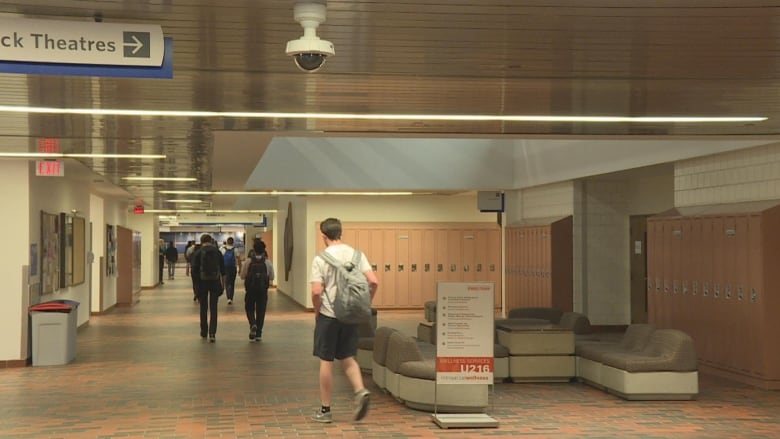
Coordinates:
[49,145]
[49,168]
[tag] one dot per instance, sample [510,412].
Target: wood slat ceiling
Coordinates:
[541,57]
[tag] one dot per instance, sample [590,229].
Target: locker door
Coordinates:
[676,265]
[415,268]
[668,261]
[545,265]
[754,297]
[513,275]
[441,268]
[684,310]
[389,261]
[455,255]
[743,346]
[525,252]
[402,268]
[492,267]
[468,255]
[652,269]
[375,254]
[428,265]
[718,282]
[707,280]
[695,297]
[726,305]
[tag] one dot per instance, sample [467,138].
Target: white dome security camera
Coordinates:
[309,51]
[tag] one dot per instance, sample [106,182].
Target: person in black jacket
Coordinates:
[208,267]
[172,257]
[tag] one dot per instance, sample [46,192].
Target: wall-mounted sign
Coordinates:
[139,209]
[80,42]
[49,168]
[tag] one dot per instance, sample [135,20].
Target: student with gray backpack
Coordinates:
[257,272]
[336,338]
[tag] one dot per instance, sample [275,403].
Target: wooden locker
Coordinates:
[684,310]
[414,269]
[374,253]
[428,265]
[755,293]
[770,297]
[468,255]
[455,255]
[708,343]
[493,263]
[665,299]
[696,317]
[389,262]
[719,314]
[442,255]
[676,266]
[741,349]
[401,268]
[652,250]
[728,312]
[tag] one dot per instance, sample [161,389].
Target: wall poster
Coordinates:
[110,250]
[50,252]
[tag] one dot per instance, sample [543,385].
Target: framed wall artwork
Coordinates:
[50,252]
[66,250]
[79,250]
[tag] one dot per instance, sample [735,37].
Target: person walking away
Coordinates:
[332,338]
[161,253]
[171,257]
[208,263]
[190,256]
[257,273]
[231,268]
[187,254]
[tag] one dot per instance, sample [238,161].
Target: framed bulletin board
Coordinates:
[79,250]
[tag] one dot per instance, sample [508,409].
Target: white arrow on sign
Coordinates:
[138,45]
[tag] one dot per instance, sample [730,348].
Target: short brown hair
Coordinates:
[331,228]
[204,238]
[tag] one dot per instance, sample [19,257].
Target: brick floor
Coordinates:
[144,372]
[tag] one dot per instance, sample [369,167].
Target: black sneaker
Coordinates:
[212,338]
[202,334]
[253,332]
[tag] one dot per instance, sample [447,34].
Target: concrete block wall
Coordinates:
[746,175]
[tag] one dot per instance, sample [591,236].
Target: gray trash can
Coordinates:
[54,324]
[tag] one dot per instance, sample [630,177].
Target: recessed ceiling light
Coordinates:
[179,211]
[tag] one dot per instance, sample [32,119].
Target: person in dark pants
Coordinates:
[189,256]
[231,269]
[161,252]
[208,265]
[257,273]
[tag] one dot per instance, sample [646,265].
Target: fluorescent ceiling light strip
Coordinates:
[184,201]
[441,117]
[160,178]
[177,211]
[50,155]
[175,192]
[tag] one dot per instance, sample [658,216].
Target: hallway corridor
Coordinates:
[144,372]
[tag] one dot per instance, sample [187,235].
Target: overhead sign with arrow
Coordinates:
[81,42]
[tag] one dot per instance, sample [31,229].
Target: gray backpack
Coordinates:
[353,296]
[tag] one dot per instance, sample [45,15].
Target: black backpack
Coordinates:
[257,275]
[210,258]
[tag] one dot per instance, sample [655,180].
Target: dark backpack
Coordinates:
[210,258]
[353,296]
[230,257]
[257,275]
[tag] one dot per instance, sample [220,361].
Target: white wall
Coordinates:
[56,195]
[97,218]
[13,314]
[148,225]
[746,175]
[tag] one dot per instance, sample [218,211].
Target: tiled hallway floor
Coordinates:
[144,372]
